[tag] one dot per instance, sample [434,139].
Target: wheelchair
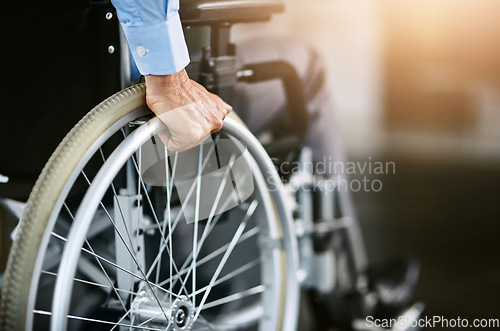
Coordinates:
[121,234]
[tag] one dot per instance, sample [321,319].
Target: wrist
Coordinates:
[161,84]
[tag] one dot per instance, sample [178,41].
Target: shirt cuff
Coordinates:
[158,48]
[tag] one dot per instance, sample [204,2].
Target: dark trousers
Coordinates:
[56,69]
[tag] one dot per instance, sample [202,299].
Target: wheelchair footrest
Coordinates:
[393,284]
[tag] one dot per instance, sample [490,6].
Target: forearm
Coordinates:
[154,32]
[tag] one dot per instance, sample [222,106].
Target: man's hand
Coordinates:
[190,112]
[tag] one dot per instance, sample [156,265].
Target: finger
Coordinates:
[173,146]
[221,105]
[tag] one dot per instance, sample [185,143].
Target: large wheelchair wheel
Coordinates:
[121,234]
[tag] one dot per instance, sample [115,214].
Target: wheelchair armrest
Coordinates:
[203,12]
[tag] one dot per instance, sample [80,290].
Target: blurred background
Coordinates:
[417,83]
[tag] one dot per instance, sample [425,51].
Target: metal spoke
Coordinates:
[50,273]
[121,319]
[169,218]
[164,223]
[139,202]
[196,220]
[233,297]
[209,326]
[233,273]
[225,257]
[48,313]
[139,325]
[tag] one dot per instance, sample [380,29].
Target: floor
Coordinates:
[447,215]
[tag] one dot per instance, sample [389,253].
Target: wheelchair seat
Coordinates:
[203,12]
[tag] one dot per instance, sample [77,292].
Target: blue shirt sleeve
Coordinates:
[154,34]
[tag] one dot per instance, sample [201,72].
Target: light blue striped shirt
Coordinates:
[154,33]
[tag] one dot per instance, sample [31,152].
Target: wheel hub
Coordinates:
[178,316]
[182,313]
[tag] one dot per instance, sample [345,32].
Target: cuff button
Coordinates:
[141,50]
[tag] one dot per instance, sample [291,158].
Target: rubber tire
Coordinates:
[21,262]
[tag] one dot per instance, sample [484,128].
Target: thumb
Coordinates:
[172,144]
[166,137]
